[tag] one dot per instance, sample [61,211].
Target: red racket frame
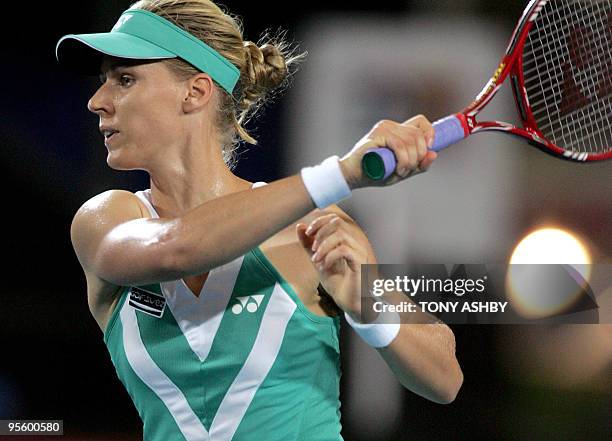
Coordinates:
[511,66]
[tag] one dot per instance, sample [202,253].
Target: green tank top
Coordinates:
[246,360]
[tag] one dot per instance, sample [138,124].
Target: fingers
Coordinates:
[425,164]
[419,137]
[331,242]
[409,142]
[423,123]
[304,239]
[330,238]
[321,228]
[340,253]
[316,224]
[428,160]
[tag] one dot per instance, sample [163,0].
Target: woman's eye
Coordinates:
[125,80]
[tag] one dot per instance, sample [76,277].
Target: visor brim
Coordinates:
[84,53]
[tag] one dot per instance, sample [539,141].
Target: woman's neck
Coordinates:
[176,190]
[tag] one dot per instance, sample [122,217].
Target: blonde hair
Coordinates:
[264,67]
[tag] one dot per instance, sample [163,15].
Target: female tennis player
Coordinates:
[213,293]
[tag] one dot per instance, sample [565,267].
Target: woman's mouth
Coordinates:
[109,135]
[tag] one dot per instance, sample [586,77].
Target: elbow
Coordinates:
[453,373]
[453,391]
[452,387]
[441,390]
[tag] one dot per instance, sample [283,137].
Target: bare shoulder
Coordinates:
[97,216]
[108,203]
[94,219]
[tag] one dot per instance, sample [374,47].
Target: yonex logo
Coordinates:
[250,303]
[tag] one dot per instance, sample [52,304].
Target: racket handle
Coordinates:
[379,163]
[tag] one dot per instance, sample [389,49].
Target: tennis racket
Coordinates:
[559,66]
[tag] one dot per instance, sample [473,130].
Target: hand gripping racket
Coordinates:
[559,65]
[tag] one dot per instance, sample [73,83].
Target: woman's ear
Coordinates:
[199,92]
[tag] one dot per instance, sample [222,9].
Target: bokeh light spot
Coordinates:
[537,292]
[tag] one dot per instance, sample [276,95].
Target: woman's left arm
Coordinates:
[422,356]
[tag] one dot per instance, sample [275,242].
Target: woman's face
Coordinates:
[139,105]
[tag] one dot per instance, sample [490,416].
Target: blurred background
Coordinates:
[367,61]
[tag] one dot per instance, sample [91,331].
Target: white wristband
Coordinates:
[377,334]
[325,182]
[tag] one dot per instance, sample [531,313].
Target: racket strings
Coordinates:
[598,49]
[567,62]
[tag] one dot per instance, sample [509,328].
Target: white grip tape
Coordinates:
[377,334]
[325,182]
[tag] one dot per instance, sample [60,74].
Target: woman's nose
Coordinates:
[100,102]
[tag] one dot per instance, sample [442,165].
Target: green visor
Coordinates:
[142,35]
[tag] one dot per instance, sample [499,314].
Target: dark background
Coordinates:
[53,363]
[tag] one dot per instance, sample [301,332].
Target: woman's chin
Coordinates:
[118,162]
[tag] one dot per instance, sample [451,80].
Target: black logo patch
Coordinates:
[147,301]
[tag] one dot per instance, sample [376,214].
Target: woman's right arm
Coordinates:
[113,240]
